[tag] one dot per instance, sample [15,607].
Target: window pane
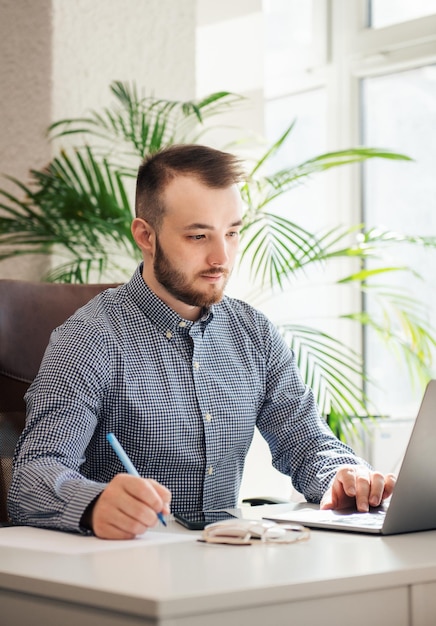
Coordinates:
[387,12]
[288,40]
[400,113]
[308,110]
[305,204]
[307,139]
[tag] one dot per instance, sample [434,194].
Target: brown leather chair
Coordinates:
[29,311]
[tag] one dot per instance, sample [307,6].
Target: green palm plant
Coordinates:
[77,211]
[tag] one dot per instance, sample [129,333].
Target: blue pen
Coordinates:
[130,468]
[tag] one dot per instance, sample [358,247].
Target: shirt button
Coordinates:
[197,365]
[210,470]
[168,334]
[182,324]
[208,417]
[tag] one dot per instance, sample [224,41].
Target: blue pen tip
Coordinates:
[162,519]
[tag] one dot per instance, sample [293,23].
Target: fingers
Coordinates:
[164,494]
[358,485]
[366,486]
[369,490]
[128,506]
[342,493]
[328,502]
[390,481]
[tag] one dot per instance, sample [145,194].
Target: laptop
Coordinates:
[412,506]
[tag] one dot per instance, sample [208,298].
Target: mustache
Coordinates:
[214,271]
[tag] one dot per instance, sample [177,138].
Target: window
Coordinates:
[399,111]
[387,12]
[289,39]
[362,72]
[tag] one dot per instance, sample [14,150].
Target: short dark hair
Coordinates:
[211,167]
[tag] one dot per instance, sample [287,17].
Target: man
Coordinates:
[179,372]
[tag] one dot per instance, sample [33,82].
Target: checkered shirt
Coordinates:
[182,397]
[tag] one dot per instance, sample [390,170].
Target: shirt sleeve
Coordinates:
[63,404]
[301,443]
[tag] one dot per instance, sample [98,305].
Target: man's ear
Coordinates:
[144,235]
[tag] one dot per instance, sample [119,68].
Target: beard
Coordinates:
[181,287]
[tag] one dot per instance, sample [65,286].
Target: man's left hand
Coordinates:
[357,485]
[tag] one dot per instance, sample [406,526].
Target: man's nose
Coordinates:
[218,253]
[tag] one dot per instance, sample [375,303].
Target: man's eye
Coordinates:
[234,233]
[196,237]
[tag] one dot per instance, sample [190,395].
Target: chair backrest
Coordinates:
[29,311]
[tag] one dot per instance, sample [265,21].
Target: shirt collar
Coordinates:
[159,313]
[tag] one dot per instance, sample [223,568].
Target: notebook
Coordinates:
[412,506]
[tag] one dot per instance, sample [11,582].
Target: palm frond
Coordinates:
[76,207]
[399,321]
[277,248]
[332,370]
[144,124]
[276,184]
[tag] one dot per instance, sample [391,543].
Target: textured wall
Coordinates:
[57,58]
[25,79]
[149,41]
[25,102]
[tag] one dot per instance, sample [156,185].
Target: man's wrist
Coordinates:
[86,519]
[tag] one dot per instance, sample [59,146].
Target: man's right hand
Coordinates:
[128,506]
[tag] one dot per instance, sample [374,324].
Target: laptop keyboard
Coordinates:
[371,520]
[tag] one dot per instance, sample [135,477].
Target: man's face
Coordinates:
[196,246]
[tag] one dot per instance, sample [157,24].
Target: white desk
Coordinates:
[334,578]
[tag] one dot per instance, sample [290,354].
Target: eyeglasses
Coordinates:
[250,532]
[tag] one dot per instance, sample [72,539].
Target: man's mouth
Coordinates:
[216,271]
[214,275]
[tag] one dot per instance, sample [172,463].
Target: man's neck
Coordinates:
[186,311]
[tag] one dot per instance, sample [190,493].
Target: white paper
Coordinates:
[68,543]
